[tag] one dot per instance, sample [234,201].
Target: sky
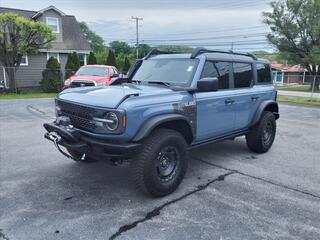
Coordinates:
[218,24]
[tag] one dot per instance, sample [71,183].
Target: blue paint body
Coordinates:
[143,102]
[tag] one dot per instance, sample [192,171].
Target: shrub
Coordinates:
[51,76]
[92,58]
[72,65]
[126,65]
[111,60]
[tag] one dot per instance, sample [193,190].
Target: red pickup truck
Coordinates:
[92,75]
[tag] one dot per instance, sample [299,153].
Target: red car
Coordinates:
[92,75]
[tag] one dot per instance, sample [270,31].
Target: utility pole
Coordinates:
[137,19]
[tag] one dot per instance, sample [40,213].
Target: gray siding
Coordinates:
[31,75]
[52,13]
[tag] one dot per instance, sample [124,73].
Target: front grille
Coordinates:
[82,84]
[80,116]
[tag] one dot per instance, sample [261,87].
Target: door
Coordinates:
[215,110]
[246,101]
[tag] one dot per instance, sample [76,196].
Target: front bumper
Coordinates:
[74,140]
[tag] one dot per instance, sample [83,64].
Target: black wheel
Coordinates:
[261,136]
[162,163]
[78,155]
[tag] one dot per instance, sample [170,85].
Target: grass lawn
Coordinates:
[299,100]
[26,95]
[299,88]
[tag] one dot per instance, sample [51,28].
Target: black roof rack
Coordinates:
[199,50]
[155,51]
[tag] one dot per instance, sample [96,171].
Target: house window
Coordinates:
[24,61]
[53,23]
[53,54]
[83,59]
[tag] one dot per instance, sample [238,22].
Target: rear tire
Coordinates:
[162,163]
[261,136]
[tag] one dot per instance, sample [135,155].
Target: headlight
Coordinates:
[67,82]
[110,121]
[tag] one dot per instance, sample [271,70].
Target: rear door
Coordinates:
[215,111]
[246,101]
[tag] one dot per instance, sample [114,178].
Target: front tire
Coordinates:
[261,136]
[162,163]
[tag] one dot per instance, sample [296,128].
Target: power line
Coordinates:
[208,38]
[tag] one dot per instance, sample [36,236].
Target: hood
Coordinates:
[109,96]
[87,77]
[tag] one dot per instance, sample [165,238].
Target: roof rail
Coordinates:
[199,50]
[156,51]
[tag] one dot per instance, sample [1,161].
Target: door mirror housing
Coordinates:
[115,75]
[208,84]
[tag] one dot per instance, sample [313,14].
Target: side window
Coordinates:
[242,75]
[219,70]
[264,73]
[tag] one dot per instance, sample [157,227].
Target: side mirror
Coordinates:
[208,84]
[115,75]
[73,72]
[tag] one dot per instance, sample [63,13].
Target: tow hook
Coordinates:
[56,139]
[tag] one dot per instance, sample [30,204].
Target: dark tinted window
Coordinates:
[264,73]
[242,75]
[219,70]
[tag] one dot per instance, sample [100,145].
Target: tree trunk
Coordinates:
[316,83]
[12,80]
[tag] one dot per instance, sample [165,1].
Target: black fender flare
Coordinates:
[155,121]
[262,107]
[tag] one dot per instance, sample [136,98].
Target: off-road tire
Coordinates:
[160,144]
[87,159]
[257,140]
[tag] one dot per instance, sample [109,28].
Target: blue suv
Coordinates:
[167,104]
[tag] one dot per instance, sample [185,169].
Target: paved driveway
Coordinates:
[228,192]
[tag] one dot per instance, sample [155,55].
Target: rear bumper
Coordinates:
[76,141]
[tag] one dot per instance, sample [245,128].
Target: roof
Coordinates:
[72,36]
[287,67]
[213,56]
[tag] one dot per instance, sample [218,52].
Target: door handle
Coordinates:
[229,101]
[254,98]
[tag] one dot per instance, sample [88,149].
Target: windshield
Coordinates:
[93,71]
[170,71]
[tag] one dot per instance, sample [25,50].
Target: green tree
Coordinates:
[96,42]
[272,57]
[111,60]
[120,47]
[143,50]
[72,65]
[102,56]
[51,76]
[295,32]
[92,58]
[126,65]
[19,36]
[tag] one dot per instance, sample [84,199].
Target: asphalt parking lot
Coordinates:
[228,192]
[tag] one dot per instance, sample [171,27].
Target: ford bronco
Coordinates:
[167,104]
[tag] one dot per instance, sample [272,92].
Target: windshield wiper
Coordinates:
[160,82]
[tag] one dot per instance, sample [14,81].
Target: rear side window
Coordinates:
[242,75]
[264,73]
[219,70]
